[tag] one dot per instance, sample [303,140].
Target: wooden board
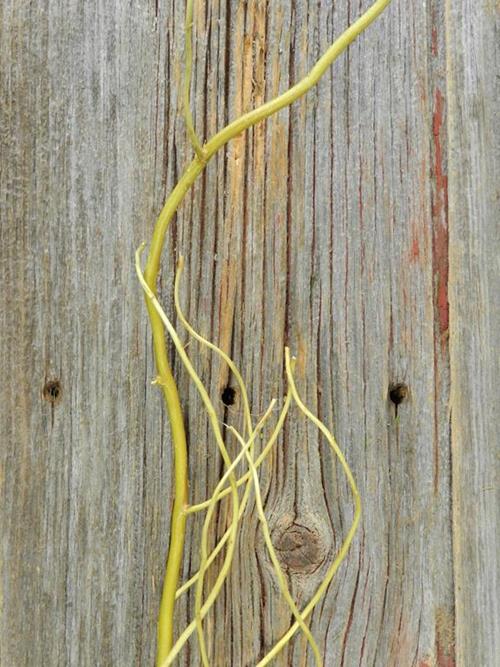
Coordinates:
[360,227]
[474,191]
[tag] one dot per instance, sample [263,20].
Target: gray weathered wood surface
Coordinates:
[360,226]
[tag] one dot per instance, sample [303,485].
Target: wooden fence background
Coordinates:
[361,227]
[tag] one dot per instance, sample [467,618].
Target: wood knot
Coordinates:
[300,549]
[52,391]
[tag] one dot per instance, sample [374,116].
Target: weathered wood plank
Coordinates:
[474,164]
[328,229]
[80,500]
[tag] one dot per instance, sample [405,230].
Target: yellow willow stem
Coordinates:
[243,123]
[241,480]
[225,568]
[253,470]
[241,384]
[283,586]
[352,530]
[258,462]
[212,417]
[192,332]
[169,388]
[165,630]
[188,60]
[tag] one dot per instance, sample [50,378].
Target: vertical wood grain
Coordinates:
[358,227]
[474,164]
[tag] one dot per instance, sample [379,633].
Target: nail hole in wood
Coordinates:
[228,396]
[52,391]
[398,392]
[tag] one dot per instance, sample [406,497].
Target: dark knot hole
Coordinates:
[228,396]
[52,391]
[398,392]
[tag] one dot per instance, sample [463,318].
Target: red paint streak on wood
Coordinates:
[440,218]
[445,638]
[434,41]
[415,250]
[445,660]
[434,34]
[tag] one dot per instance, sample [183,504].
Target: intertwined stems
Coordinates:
[254,478]
[201,610]
[165,378]
[151,297]
[274,558]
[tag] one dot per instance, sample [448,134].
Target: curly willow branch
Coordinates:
[274,558]
[222,448]
[203,154]
[253,470]
[352,530]
[216,588]
[244,478]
